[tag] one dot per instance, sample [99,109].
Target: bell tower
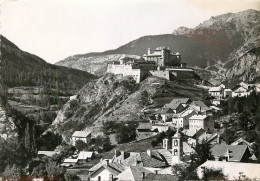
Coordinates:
[177,148]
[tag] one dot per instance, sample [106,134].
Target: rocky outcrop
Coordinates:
[245,68]
[110,98]
[7,126]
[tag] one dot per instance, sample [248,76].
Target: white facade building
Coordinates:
[197,122]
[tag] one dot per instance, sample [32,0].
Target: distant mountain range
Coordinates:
[226,46]
[19,68]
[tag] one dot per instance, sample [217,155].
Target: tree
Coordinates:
[213,174]
[39,170]
[13,172]
[247,121]
[154,143]
[81,145]
[71,176]
[54,171]
[107,144]
[184,172]
[201,155]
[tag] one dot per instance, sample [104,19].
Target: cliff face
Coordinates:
[110,98]
[7,126]
[245,68]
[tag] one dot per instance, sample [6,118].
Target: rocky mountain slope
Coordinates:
[214,45]
[110,98]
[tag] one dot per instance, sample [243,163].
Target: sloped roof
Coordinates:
[214,82]
[215,89]
[114,168]
[83,155]
[166,154]
[199,133]
[241,140]
[48,153]
[159,177]
[144,126]
[200,104]
[164,110]
[68,160]
[133,173]
[150,161]
[236,152]
[175,103]
[81,134]
[198,117]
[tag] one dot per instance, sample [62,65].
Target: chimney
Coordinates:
[123,154]
[149,152]
[228,156]
[117,153]
[143,174]
[218,139]
[107,162]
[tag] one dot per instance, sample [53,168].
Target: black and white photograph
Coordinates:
[129,90]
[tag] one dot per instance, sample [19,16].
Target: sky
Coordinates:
[56,29]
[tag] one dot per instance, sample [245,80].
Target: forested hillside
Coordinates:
[20,68]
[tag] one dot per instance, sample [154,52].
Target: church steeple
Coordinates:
[177,148]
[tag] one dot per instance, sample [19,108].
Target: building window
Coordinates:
[175,152]
[175,142]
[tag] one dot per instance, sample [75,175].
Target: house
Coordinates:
[232,153]
[145,130]
[108,171]
[48,153]
[212,139]
[133,173]
[233,170]
[152,158]
[84,136]
[178,103]
[165,114]
[243,89]
[194,136]
[200,107]
[197,122]
[85,156]
[217,92]
[181,120]
[159,177]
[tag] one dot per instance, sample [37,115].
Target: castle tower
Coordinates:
[177,148]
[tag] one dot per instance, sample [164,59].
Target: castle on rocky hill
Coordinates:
[161,63]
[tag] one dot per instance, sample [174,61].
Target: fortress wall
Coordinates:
[161,73]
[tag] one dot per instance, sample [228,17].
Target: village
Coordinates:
[191,123]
